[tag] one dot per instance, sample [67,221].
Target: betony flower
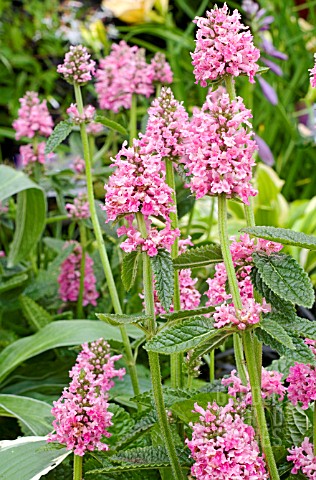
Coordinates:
[302,384]
[77,118]
[121,74]
[304,459]
[81,414]
[162,72]
[220,148]
[223,446]
[78,68]
[80,208]
[224,46]
[30,154]
[69,278]
[34,117]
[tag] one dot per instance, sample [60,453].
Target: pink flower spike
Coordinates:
[80,208]
[162,72]
[77,68]
[224,46]
[303,459]
[86,117]
[34,117]
[30,155]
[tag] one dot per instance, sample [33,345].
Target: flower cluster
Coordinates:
[313,74]
[271,383]
[30,154]
[220,149]
[304,459]
[80,208]
[69,278]
[125,72]
[223,46]
[167,126]
[225,314]
[34,117]
[77,118]
[81,413]
[77,68]
[223,446]
[302,384]
[138,185]
[78,164]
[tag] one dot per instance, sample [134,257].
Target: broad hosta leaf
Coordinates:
[13,282]
[116,319]
[180,338]
[276,331]
[285,277]
[164,275]
[63,333]
[301,353]
[129,269]
[32,458]
[30,214]
[34,414]
[36,315]
[284,236]
[277,302]
[110,124]
[183,314]
[60,133]
[198,257]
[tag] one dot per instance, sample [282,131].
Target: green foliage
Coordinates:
[36,315]
[284,236]
[13,282]
[35,415]
[60,133]
[111,124]
[198,257]
[129,269]
[164,275]
[121,319]
[277,332]
[297,424]
[285,277]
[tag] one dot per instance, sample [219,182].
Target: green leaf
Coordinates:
[121,319]
[153,455]
[295,324]
[198,257]
[276,331]
[170,395]
[183,409]
[34,414]
[60,133]
[30,215]
[36,315]
[110,124]
[13,282]
[63,333]
[180,338]
[129,269]
[183,314]
[214,341]
[32,458]
[142,425]
[285,277]
[297,425]
[284,236]
[164,275]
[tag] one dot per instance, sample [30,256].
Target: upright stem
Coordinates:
[232,281]
[176,358]
[133,119]
[83,242]
[314,428]
[101,247]
[154,361]
[77,473]
[258,406]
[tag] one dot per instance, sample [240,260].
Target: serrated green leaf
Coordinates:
[142,425]
[164,275]
[297,325]
[36,315]
[13,282]
[285,277]
[276,331]
[129,269]
[121,319]
[183,314]
[156,455]
[110,124]
[60,133]
[208,345]
[284,236]
[170,395]
[301,353]
[180,338]
[199,257]
[297,425]
[184,409]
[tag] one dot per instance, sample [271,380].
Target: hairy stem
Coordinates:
[133,119]
[83,242]
[154,360]
[101,247]
[314,428]
[77,473]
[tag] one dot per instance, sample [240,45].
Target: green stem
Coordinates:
[314,428]
[154,360]
[232,281]
[57,218]
[83,242]
[101,247]
[176,358]
[133,119]
[211,219]
[212,366]
[77,467]
[258,405]
[230,87]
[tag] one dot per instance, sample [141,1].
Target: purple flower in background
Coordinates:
[260,23]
